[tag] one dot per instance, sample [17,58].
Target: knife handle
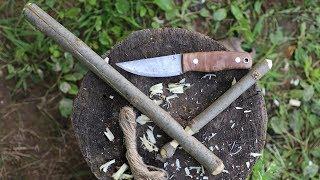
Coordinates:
[215,61]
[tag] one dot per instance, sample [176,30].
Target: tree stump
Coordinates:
[232,135]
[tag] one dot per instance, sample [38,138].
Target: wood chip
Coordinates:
[156,89]
[143,119]
[120,172]
[294,103]
[109,134]
[255,154]
[104,167]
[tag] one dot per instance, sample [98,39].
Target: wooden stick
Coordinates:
[96,64]
[220,104]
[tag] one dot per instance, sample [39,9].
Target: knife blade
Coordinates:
[177,64]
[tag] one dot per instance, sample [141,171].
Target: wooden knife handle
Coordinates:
[215,61]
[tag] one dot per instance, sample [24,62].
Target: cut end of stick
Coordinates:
[163,153]
[218,170]
[269,63]
[27,6]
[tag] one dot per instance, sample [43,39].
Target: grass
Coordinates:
[286,31]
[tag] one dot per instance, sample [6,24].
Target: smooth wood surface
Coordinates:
[216,61]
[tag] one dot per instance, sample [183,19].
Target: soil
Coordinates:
[237,134]
[35,142]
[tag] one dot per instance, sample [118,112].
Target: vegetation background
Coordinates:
[39,80]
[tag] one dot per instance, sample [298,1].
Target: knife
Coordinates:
[177,64]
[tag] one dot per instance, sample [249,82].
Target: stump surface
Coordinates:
[237,134]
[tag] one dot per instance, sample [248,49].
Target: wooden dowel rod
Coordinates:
[220,104]
[96,64]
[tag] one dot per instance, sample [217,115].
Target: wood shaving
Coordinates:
[248,164]
[255,154]
[143,119]
[234,81]
[295,82]
[211,136]
[211,148]
[148,145]
[156,89]
[126,176]
[150,136]
[225,171]
[202,171]
[165,164]
[208,75]
[104,167]
[158,102]
[178,88]
[294,102]
[232,126]
[120,172]
[178,167]
[106,60]
[109,134]
[171,97]
[186,170]
[197,168]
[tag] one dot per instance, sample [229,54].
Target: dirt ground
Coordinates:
[32,143]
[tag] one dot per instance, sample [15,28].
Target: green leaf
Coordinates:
[220,14]
[296,122]
[316,133]
[170,15]
[80,68]
[73,77]
[257,6]
[92,2]
[204,12]
[237,12]
[73,90]
[308,91]
[258,26]
[98,23]
[50,3]
[116,30]
[155,25]
[122,6]
[166,5]
[316,152]
[10,69]
[277,38]
[54,50]
[65,107]
[278,125]
[142,11]
[67,63]
[64,87]
[105,39]
[72,13]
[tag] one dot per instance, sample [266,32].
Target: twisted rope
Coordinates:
[138,168]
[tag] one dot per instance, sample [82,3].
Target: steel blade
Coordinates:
[164,66]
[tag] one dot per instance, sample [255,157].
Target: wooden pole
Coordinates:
[96,64]
[220,104]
